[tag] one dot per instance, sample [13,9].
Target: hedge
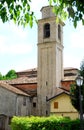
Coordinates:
[44,123]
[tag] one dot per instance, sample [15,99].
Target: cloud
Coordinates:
[15,40]
[37,5]
[70,60]
[18,31]
[77,37]
[2,41]
[14,49]
[12,46]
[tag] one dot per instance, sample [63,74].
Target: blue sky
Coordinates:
[18,45]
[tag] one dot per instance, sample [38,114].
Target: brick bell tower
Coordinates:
[50,58]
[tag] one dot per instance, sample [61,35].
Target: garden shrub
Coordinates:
[44,123]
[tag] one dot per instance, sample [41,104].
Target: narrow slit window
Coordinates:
[46,30]
[24,101]
[59,32]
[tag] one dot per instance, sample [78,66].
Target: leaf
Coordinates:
[80,16]
[50,2]
[31,21]
[10,10]
[27,17]
[70,11]
[24,4]
[4,15]
[57,20]
[28,7]
[54,1]
[83,21]
[75,23]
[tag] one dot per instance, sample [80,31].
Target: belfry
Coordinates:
[50,57]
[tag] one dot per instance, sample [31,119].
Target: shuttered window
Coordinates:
[55,105]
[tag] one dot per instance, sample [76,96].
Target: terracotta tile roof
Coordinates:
[70,68]
[30,89]
[67,84]
[69,78]
[25,84]
[58,92]
[13,89]
[21,80]
[69,73]
[35,69]
[28,70]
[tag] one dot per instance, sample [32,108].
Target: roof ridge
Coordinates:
[13,89]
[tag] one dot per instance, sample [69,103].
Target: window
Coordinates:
[59,32]
[46,112]
[34,104]
[55,105]
[46,30]
[9,121]
[24,101]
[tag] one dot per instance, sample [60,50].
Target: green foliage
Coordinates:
[82,68]
[20,11]
[1,77]
[74,91]
[44,123]
[10,75]
[73,9]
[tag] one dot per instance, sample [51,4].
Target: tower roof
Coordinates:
[47,12]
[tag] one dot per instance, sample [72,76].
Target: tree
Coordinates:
[20,11]
[73,9]
[1,76]
[82,69]
[11,74]
[74,91]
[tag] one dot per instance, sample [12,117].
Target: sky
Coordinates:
[18,45]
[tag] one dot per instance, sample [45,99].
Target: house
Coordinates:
[12,102]
[60,105]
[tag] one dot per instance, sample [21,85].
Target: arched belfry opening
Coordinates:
[46,30]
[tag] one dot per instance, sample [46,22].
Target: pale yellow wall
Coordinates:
[68,115]
[65,107]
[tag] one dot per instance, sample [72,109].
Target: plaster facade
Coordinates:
[12,104]
[64,107]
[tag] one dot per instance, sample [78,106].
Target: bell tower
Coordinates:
[50,58]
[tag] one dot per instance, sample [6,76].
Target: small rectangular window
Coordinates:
[9,121]
[46,112]
[34,104]
[55,105]
[24,101]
